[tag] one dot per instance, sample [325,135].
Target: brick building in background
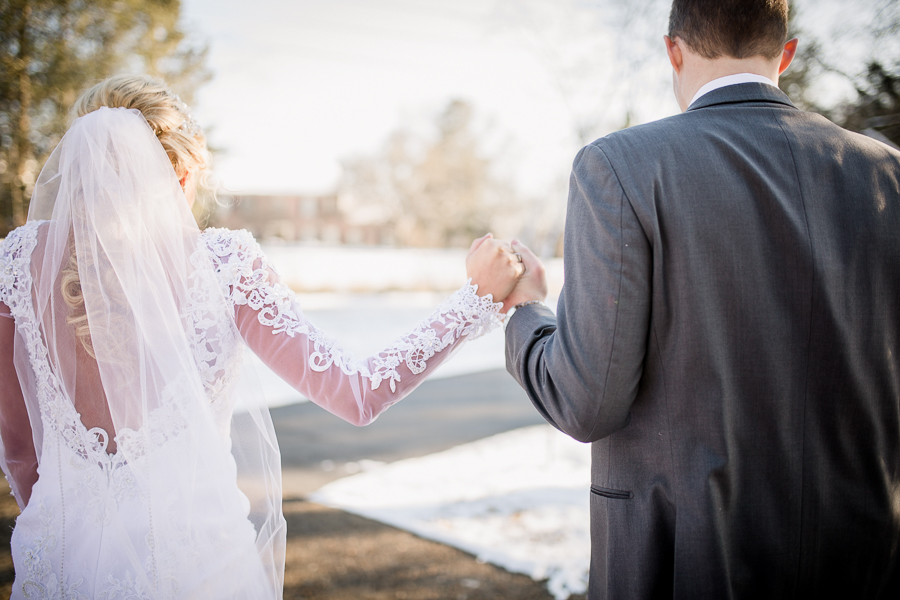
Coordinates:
[297,219]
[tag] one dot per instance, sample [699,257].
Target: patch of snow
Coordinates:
[519,500]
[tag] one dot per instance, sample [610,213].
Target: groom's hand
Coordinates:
[493,266]
[532,285]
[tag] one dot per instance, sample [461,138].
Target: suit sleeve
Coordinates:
[582,367]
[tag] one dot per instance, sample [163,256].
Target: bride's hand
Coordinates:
[494,267]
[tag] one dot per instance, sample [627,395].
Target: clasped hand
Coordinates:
[510,272]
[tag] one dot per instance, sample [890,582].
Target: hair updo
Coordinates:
[180,137]
[169,117]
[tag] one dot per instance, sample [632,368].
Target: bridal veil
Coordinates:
[148,357]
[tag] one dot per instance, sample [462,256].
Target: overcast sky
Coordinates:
[300,84]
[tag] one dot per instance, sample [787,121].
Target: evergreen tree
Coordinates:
[51,50]
[876,111]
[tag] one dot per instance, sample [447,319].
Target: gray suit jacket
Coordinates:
[728,338]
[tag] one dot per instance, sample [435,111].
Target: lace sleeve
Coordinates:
[273,325]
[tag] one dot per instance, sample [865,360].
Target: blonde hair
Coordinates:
[169,117]
[74,298]
[176,130]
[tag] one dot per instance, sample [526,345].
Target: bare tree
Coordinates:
[602,56]
[437,189]
[606,62]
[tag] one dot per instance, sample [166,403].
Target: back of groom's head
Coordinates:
[735,28]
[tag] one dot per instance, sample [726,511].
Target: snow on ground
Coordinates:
[519,500]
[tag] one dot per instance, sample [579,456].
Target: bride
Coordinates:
[133,436]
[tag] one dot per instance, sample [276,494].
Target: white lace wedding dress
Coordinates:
[89,529]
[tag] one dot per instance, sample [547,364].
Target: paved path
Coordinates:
[317,447]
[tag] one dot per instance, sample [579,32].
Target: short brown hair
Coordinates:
[736,28]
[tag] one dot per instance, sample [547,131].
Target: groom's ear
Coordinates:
[674,51]
[787,55]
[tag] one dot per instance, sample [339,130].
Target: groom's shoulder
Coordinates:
[675,126]
[823,135]
[646,139]
[693,130]
[693,122]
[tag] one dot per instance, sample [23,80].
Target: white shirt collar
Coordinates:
[731,80]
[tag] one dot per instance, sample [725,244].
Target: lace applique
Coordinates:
[164,423]
[40,580]
[465,313]
[213,337]
[15,255]
[127,589]
[243,271]
[106,482]
[245,277]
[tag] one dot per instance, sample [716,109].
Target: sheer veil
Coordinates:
[161,371]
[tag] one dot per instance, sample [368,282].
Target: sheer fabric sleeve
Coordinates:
[273,326]
[17,455]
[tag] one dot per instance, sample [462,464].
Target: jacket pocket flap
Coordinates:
[610,493]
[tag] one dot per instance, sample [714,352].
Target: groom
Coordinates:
[728,336]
